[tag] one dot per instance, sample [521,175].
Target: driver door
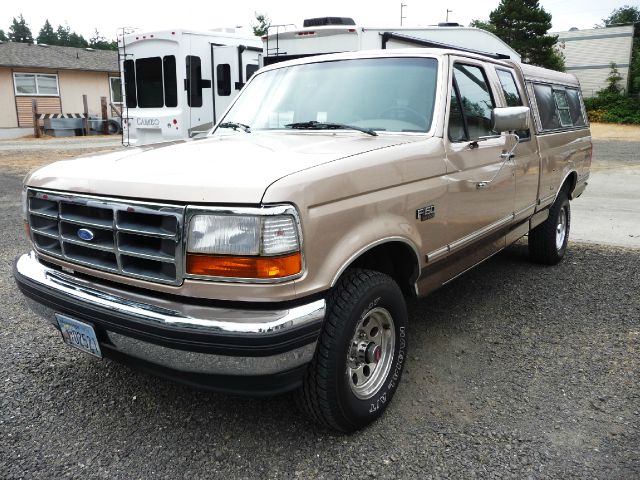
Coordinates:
[481,190]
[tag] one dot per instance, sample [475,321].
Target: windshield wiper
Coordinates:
[236,126]
[314,125]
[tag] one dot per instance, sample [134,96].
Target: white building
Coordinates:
[589,53]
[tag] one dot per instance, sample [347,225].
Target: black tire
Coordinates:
[326,394]
[544,247]
[113,127]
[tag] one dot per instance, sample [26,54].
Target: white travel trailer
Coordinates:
[339,34]
[178,82]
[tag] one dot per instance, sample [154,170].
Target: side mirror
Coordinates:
[510,119]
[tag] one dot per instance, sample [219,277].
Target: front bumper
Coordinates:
[239,350]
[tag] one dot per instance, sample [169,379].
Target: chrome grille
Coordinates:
[134,239]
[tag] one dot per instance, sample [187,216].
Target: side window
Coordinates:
[250,70]
[511,95]
[223,79]
[130,83]
[194,81]
[170,81]
[549,119]
[509,88]
[575,107]
[474,101]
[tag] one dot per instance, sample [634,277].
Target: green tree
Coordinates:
[613,81]
[3,36]
[629,15]
[262,27]
[524,24]
[622,16]
[19,31]
[47,34]
[63,34]
[101,43]
[77,40]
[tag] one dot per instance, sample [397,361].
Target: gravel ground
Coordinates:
[531,373]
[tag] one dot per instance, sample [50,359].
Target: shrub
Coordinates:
[613,107]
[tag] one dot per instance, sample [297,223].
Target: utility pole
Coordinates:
[402,17]
[448,12]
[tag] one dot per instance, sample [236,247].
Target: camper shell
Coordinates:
[177,82]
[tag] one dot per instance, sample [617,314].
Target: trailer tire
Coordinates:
[113,127]
[360,354]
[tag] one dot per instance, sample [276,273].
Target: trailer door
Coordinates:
[198,93]
[225,77]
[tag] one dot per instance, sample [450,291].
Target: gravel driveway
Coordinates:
[515,371]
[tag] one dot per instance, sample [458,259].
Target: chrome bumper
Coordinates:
[184,337]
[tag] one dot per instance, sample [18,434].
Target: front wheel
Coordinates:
[360,355]
[548,241]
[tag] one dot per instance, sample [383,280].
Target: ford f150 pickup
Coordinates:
[276,254]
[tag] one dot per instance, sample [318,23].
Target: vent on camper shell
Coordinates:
[322,21]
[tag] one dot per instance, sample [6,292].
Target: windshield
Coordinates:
[382,94]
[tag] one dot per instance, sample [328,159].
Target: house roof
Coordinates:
[14,54]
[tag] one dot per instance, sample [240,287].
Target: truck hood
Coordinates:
[234,168]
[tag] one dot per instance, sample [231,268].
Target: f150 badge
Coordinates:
[425,213]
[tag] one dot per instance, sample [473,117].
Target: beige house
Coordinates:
[56,77]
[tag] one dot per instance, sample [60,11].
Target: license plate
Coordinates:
[79,335]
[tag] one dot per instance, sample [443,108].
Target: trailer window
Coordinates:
[476,101]
[575,107]
[170,82]
[194,81]
[149,80]
[223,79]
[250,70]
[130,83]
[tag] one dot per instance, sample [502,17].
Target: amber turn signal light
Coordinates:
[244,267]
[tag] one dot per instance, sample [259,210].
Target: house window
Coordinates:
[116,89]
[34,84]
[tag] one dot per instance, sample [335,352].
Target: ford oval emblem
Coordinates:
[85,234]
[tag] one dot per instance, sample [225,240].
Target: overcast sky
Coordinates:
[107,17]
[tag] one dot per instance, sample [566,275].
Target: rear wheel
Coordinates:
[360,355]
[548,241]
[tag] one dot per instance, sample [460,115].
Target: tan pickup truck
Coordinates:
[276,254]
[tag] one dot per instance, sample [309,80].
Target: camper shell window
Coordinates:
[563,108]
[575,107]
[223,79]
[559,107]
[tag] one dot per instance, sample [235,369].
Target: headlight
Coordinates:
[264,246]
